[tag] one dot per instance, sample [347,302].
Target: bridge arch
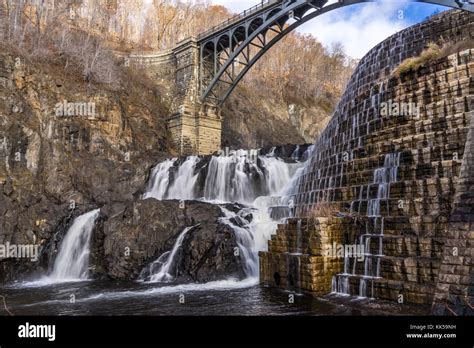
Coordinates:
[255,24]
[239,33]
[217,87]
[223,40]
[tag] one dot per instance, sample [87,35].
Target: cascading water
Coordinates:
[164,268]
[245,241]
[160,183]
[295,154]
[382,178]
[227,179]
[233,178]
[183,185]
[259,183]
[298,237]
[72,261]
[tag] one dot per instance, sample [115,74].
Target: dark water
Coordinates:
[119,298]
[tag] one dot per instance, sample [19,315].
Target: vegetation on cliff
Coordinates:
[56,164]
[287,97]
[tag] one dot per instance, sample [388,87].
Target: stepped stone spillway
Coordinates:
[401,183]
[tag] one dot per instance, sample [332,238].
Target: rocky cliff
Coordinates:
[68,147]
[58,163]
[253,120]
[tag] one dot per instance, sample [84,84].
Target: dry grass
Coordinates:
[432,52]
[411,65]
[324,210]
[332,210]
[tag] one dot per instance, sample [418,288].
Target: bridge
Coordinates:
[209,67]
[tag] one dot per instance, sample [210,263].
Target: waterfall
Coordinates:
[245,241]
[295,153]
[164,268]
[228,179]
[259,183]
[251,237]
[236,179]
[382,178]
[277,174]
[272,152]
[346,264]
[160,180]
[72,261]
[233,178]
[298,237]
[183,185]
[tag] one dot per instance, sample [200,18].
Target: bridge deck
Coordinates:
[261,7]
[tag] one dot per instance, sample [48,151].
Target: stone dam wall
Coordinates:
[399,183]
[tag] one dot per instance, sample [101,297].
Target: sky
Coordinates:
[358,27]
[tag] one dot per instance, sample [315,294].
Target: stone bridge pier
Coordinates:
[195,126]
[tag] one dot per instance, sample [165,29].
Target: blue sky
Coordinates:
[359,27]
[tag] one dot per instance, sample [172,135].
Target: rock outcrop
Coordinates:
[252,121]
[146,229]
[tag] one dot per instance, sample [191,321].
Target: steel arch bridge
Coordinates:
[229,50]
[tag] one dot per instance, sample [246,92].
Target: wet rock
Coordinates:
[29,219]
[146,229]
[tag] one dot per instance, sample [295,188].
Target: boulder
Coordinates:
[146,229]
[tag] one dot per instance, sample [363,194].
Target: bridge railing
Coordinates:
[237,18]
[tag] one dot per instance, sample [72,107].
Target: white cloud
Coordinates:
[359,28]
